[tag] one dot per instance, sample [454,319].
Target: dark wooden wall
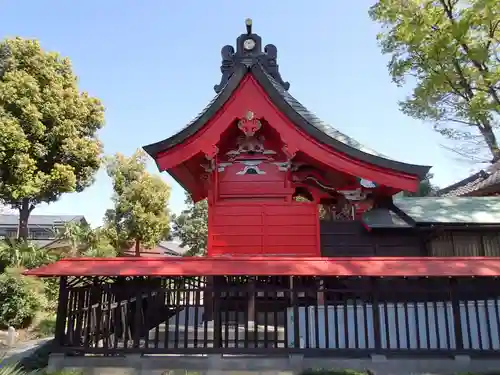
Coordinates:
[350,238]
[465,243]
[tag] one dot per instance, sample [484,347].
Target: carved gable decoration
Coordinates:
[249,125]
[250,145]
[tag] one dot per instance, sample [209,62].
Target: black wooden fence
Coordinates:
[280,315]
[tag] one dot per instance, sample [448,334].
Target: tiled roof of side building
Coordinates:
[42,220]
[472,185]
[164,248]
[492,180]
[422,211]
[448,210]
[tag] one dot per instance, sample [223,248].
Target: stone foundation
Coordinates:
[247,365]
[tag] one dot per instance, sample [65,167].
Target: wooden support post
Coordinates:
[457,319]
[251,292]
[217,316]
[320,294]
[251,300]
[376,313]
[208,302]
[62,312]
[296,317]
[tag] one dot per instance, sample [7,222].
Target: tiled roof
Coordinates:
[295,111]
[321,125]
[493,179]
[472,184]
[173,247]
[415,211]
[383,218]
[164,248]
[40,220]
[471,210]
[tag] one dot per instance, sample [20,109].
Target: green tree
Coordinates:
[140,214]
[425,188]
[191,226]
[73,234]
[49,143]
[450,49]
[22,299]
[83,240]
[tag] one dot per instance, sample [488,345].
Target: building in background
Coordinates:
[484,183]
[42,229]
[164,248]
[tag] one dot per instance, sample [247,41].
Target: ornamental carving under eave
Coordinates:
[249,124]
[250,144]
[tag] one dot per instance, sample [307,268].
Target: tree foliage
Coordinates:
[191,226]
[451,50]
[425,189]
[82,240]
[14,253]
[49,143]
[22,298]
[140,214]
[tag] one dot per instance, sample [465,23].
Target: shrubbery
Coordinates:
[51,285]
[22,298]
[14,253]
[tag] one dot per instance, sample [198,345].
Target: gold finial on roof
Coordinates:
[248,23]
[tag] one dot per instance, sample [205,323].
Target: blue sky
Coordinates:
[154,64]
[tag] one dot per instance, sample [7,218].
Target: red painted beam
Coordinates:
[296,266]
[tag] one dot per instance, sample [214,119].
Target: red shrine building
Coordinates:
[254,149]
[308,252]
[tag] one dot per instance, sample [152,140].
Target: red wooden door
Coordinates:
[265,229]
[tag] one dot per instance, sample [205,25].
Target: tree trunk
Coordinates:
[491,141]
[24,214]
[137,248]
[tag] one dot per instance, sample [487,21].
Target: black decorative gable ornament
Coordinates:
[248,53]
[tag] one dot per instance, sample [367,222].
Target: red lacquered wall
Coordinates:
[242,228]
[270,184]
[253,214]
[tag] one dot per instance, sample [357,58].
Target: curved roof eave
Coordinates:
[202,118]
[297,113]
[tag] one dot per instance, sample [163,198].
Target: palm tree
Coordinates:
[74,234]
[14,253]
[85,241]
